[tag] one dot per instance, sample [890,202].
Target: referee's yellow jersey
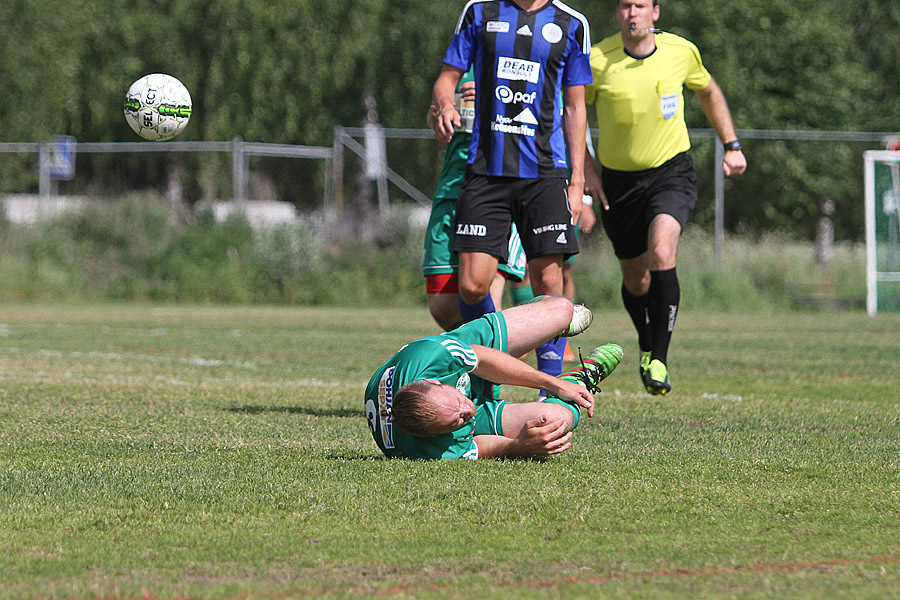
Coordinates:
[640,102]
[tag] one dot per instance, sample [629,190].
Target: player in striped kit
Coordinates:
[531,62]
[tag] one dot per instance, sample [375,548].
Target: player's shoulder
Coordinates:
[474,3]
[563,7]
[471,12]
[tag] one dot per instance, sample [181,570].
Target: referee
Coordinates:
[649,187]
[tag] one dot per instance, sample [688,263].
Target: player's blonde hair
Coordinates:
[411,410]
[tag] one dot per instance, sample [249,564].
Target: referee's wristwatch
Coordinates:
[732,145]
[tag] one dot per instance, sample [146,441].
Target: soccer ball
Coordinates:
[157,107]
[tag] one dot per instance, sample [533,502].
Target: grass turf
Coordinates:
[212,452]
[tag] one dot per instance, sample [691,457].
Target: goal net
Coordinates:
[882,180]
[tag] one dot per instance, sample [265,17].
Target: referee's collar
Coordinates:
[639,57]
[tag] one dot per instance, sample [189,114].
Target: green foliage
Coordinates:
[291,70]
[134,250]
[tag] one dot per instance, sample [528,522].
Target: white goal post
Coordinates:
[882,203]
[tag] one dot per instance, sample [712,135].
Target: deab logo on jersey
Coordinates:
[516,69]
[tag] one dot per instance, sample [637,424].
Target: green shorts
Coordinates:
[439,255]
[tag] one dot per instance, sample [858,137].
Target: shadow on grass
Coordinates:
[343,413]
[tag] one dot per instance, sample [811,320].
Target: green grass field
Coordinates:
[174,452]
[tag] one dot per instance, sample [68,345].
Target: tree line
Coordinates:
[289,71]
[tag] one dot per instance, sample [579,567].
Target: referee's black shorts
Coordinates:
[636,197]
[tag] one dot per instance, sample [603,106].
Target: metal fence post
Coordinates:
[337,186]
[43,179]
[719,174]
[238,172]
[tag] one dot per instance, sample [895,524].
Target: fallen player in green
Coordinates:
[434,398]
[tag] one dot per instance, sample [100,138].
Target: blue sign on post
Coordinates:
[61,163]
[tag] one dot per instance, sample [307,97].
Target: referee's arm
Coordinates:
[716,108]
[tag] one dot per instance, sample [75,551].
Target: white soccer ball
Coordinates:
[157,107]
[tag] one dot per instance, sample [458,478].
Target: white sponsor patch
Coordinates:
[385,404]
[552,32]
[526,116]
[470,229]
[516,69]
[505,95]
[553,227]
[668,105]
[496,27]
[462,384]
[504,124]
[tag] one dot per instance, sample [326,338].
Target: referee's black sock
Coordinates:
[637,310]
[662,308]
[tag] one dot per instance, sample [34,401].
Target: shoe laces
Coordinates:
[585,377]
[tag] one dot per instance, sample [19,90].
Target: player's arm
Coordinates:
[468,95]
[539,437]
[446,117]
[716,108]
[574,127]
[593,185]
[502,368]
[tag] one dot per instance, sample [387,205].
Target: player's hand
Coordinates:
[568,390]
[468,91]
[431,118]
[446,122]
[734,163]
[541,437]
[588,218]
[594,187]
[576,193]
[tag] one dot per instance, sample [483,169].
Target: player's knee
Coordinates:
[472,291]
[556,409]
[662,258]
[636,283]
[557,308]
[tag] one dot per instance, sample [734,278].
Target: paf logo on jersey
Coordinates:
[505,95]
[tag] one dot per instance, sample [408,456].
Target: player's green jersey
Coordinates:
[457,155]
[448,358]
[640,102]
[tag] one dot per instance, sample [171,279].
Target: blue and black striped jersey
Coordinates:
[522,61]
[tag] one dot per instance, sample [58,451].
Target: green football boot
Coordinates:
[656,378]
[645,363]
[600,362]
